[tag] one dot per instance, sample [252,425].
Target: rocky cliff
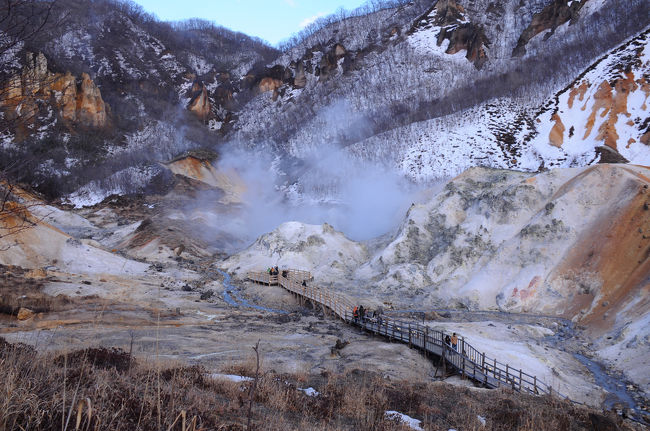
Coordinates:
[77,102]
[555,14]
[453,25]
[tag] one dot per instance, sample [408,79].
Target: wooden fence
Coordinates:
[465,359]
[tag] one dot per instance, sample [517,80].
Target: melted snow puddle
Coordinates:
[232,297]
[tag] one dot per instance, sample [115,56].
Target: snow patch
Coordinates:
[401,417]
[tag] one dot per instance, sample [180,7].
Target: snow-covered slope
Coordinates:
[606,105]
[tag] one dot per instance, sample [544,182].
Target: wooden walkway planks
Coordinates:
[466,360]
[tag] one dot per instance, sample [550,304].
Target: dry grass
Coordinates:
[105,389]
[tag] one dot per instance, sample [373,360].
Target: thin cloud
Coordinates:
[305,22]
[291,3]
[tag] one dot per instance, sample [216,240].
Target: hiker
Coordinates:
[268,270]
[454,341]
[377,315]
[304,283]
[362,313]
[448,340]
[284,273]
[355,313]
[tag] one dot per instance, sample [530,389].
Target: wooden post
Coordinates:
[444,362]
[409,335]
[520,373]
[483,363]
[426,335]
[463,367]
[506,373]
[494,368]
[535,384]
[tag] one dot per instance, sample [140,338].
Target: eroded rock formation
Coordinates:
[454,26]
[200,102]
[550,18]
[75,102]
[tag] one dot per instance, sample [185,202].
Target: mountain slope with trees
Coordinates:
[393,83]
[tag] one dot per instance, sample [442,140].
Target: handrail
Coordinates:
[466,359]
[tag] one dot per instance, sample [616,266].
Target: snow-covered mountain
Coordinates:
[425,88]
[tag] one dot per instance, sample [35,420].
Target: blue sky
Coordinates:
[271,20]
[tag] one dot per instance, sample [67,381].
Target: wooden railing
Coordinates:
[465,359]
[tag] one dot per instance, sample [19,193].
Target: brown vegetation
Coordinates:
[103,388]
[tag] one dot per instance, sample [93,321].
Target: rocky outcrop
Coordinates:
[25,314]
[300,80]
[199,167]
[467,37]
[320,249]
[329,62]
[77,103]
[91,109]
[199,101]
[449,19]
[550,18]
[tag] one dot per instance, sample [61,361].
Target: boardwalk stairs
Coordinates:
[464,360]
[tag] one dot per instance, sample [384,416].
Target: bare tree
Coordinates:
[21,21]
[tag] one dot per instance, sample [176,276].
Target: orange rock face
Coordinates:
[91,109]
[200,102]
[556,137]
[616,251]
[25,314]
[82,104]
[269,84]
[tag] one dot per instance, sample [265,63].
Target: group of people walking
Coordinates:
[273,270]
[452,341]
[360,314]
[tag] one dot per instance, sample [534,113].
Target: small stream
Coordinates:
[617,393]
[233,297]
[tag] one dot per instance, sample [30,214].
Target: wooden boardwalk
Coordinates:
[464,360]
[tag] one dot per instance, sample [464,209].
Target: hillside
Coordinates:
[381,82]
[568,242]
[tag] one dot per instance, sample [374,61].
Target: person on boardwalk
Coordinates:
[355,314]
[362,313]
[454,341]
[448,340]
[304,283]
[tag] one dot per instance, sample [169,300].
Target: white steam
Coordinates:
[360,200]
[324,184]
